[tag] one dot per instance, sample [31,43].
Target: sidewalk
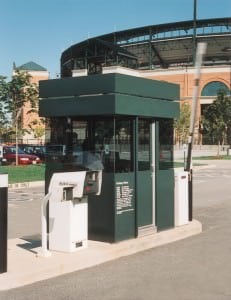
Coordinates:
[25,267]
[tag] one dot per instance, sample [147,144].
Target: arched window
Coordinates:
[212,88]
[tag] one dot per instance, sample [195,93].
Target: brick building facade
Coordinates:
[212,79]
[37,73]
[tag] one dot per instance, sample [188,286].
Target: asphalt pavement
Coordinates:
[194,268]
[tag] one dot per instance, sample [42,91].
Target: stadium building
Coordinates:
[161,52]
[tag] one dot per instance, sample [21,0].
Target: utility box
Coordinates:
[68,209]
[181,198]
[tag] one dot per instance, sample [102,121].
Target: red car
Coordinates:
[9,153]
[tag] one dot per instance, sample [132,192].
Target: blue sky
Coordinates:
[39,30]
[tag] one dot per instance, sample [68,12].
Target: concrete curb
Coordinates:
[25,267]
[200,167]
[203,167]
[21,185]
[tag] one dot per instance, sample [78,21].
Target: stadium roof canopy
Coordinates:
[152,47]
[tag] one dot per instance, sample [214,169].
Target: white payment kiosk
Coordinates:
[68,210]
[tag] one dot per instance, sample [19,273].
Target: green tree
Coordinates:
[37,126]
[181,125]
[4,120]
[217,119]
[13,96]
[21,90]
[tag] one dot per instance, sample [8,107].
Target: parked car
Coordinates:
[37,150]
[9,153]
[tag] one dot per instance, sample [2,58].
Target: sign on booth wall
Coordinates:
[124,196]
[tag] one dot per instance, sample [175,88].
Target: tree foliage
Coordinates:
[181,125]
[37,126]
[13,96]
[21,90]
[3,105]
[217,118]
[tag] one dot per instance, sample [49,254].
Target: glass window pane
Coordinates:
[123,146]
[166,144]
[103,140]
[212,88]
[95,144]
[144,145]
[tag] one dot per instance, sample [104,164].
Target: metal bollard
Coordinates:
[3,221]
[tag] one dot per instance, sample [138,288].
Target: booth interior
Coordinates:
[119,130]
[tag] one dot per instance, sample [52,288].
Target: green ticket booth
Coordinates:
[127,123]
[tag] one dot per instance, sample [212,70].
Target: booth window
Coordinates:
[56,131]
[165,144]
[144,145]
[102,143]
[111,140]
[123,145]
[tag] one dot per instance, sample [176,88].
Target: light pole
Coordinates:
[16,135]
[194,30]
[228,50]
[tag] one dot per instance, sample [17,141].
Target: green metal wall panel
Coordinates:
[101,211]
[77,106]
[144,87]
[124,189]
[145,107]
[111,215]
[165,199]
[144,203]
[106,84]
[164,192]
[74,86]
[108,105]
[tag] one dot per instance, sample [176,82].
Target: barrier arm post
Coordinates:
[201,49]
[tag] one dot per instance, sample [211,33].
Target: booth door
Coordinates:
[145,173]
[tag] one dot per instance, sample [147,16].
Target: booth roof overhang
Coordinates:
[108,94]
